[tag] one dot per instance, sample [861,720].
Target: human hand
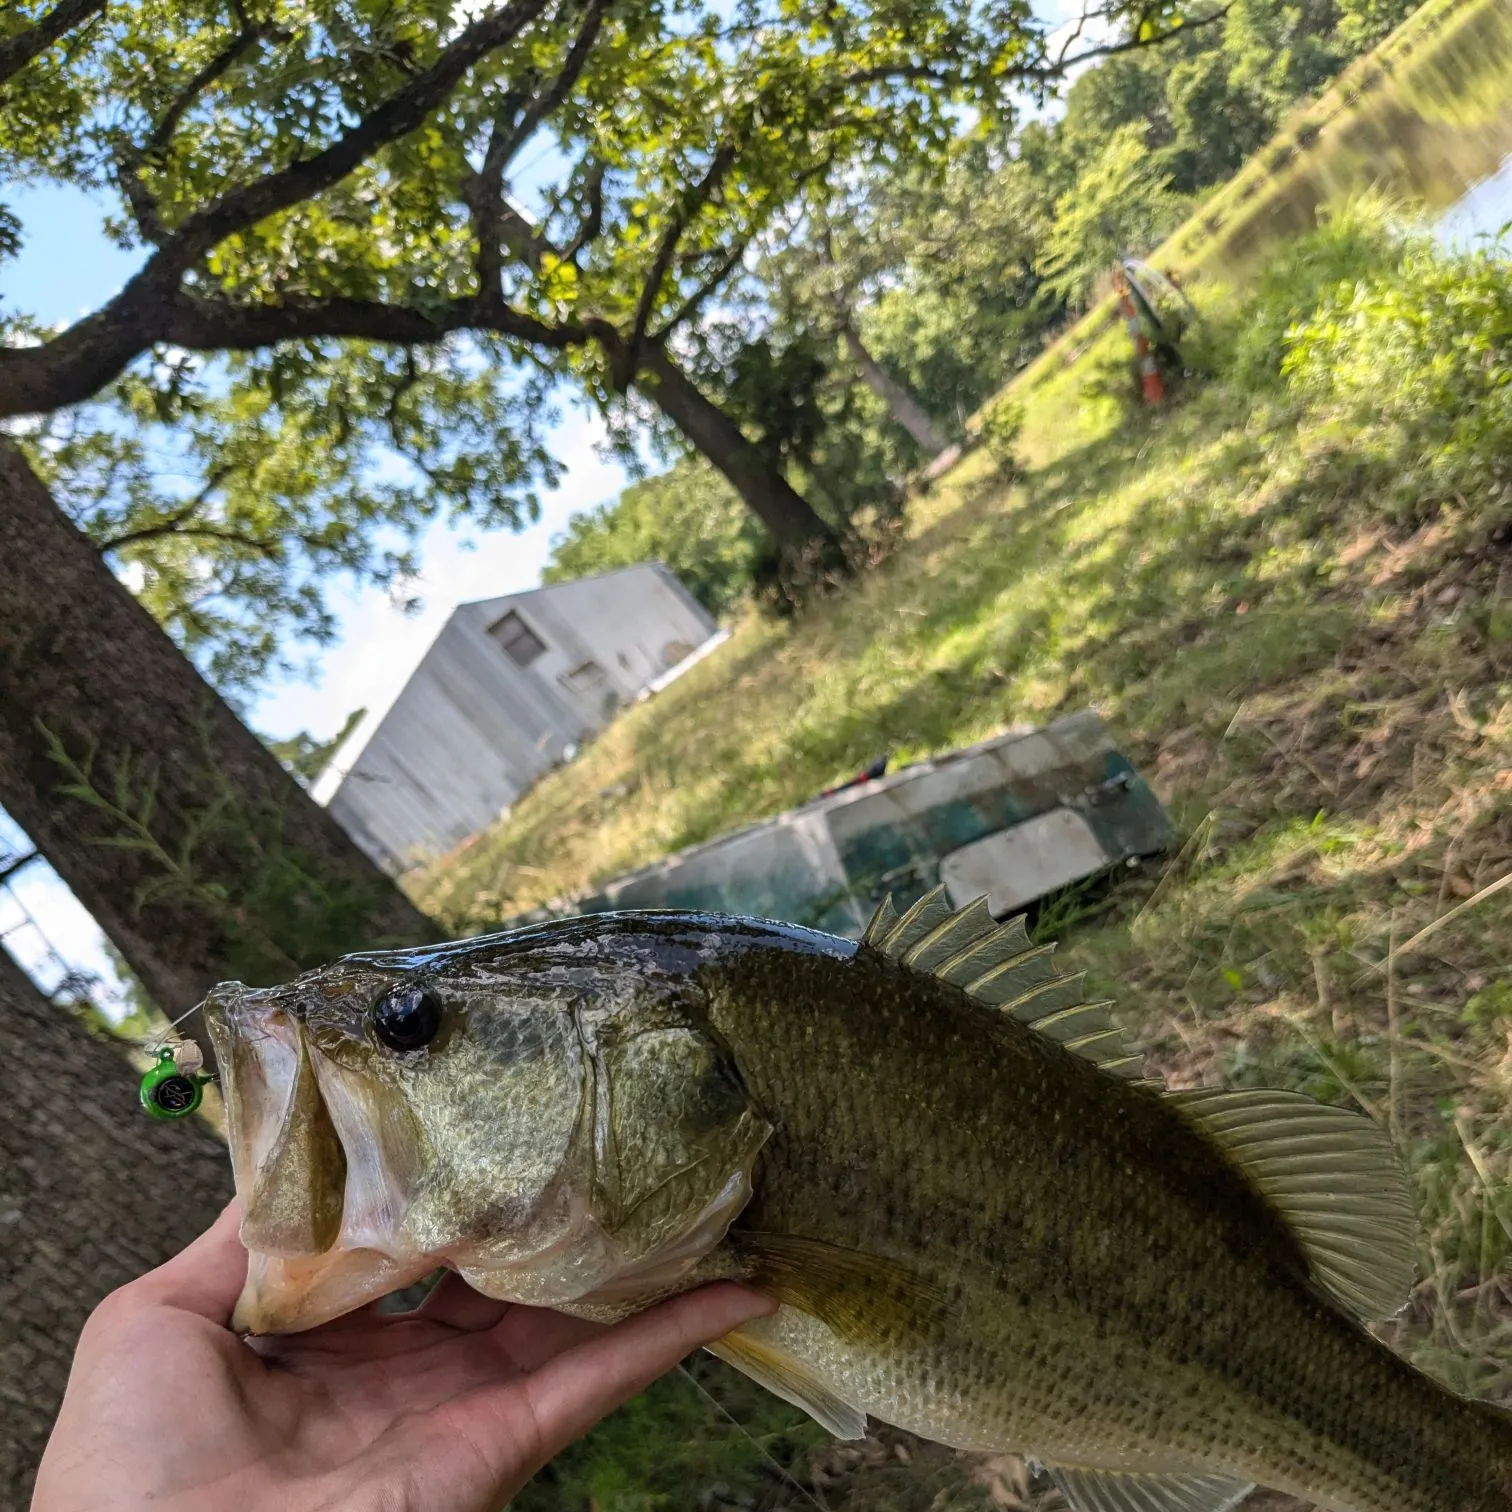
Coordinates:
[450,1408]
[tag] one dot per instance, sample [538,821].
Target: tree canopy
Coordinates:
[947,272]
[371,232]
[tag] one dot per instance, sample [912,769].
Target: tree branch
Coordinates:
[593,222]
[399,115]
[694,302]
[522,238]
[271,547]
[692,202]
[483,193]
[1129,44]
[515,123]
[727,264]
[130,163]
[391,410]
[886,73]
[17,51]
[907,71]
[173,524]
[77,363]
[567,76]
[206,325]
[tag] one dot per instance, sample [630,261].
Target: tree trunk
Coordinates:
[197,854]
[93,1192]
[780,507]
[901,405]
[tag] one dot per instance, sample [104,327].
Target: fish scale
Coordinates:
[982,1223]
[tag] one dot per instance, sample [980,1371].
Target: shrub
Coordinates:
[999,431]
[1354,242]
[1416,360]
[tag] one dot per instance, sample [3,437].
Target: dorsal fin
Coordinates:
[1330,1174]
[996,964]
[1334,1177]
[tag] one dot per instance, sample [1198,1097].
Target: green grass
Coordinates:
[1294,617]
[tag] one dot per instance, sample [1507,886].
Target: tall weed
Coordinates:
[1357,241]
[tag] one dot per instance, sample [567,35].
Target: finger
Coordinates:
[454,1303]
[207,1277]
[570,1393]
[530,1336]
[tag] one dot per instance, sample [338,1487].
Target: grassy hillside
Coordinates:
[1288,597]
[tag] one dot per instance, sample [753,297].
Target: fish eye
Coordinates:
[406,1018]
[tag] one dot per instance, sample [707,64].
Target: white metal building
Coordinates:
[508,688]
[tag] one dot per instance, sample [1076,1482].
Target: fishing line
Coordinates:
[761,1449]
[161,1039]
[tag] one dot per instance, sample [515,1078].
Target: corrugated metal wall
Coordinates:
[472,729]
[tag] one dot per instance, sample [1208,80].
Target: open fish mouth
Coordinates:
[325,1172]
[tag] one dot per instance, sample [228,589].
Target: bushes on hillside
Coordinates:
[1417,360]
[689,518]
[1405,345]
[1354,242]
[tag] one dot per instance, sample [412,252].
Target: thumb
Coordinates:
[207,1277]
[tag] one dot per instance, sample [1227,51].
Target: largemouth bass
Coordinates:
[983,1224]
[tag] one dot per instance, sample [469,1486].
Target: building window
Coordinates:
[518,639]
[584,678]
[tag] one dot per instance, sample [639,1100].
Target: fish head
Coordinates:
[554,1128]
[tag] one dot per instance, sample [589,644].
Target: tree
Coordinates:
[199,856]
[283,491]
[93,1192]
[968,306]
[840,255]
[341,173]
[305,756]
[1122,204]
[226,491]
[1218,121]
[689,518]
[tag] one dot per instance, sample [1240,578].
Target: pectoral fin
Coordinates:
[1122,1491]
[866,1299]
[790,1379]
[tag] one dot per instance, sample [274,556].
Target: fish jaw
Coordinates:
[287,1161]
[284,1296]
[322,1178]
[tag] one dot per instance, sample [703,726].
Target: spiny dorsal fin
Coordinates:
[1334,1177]
[1125,1491]
[998,966]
